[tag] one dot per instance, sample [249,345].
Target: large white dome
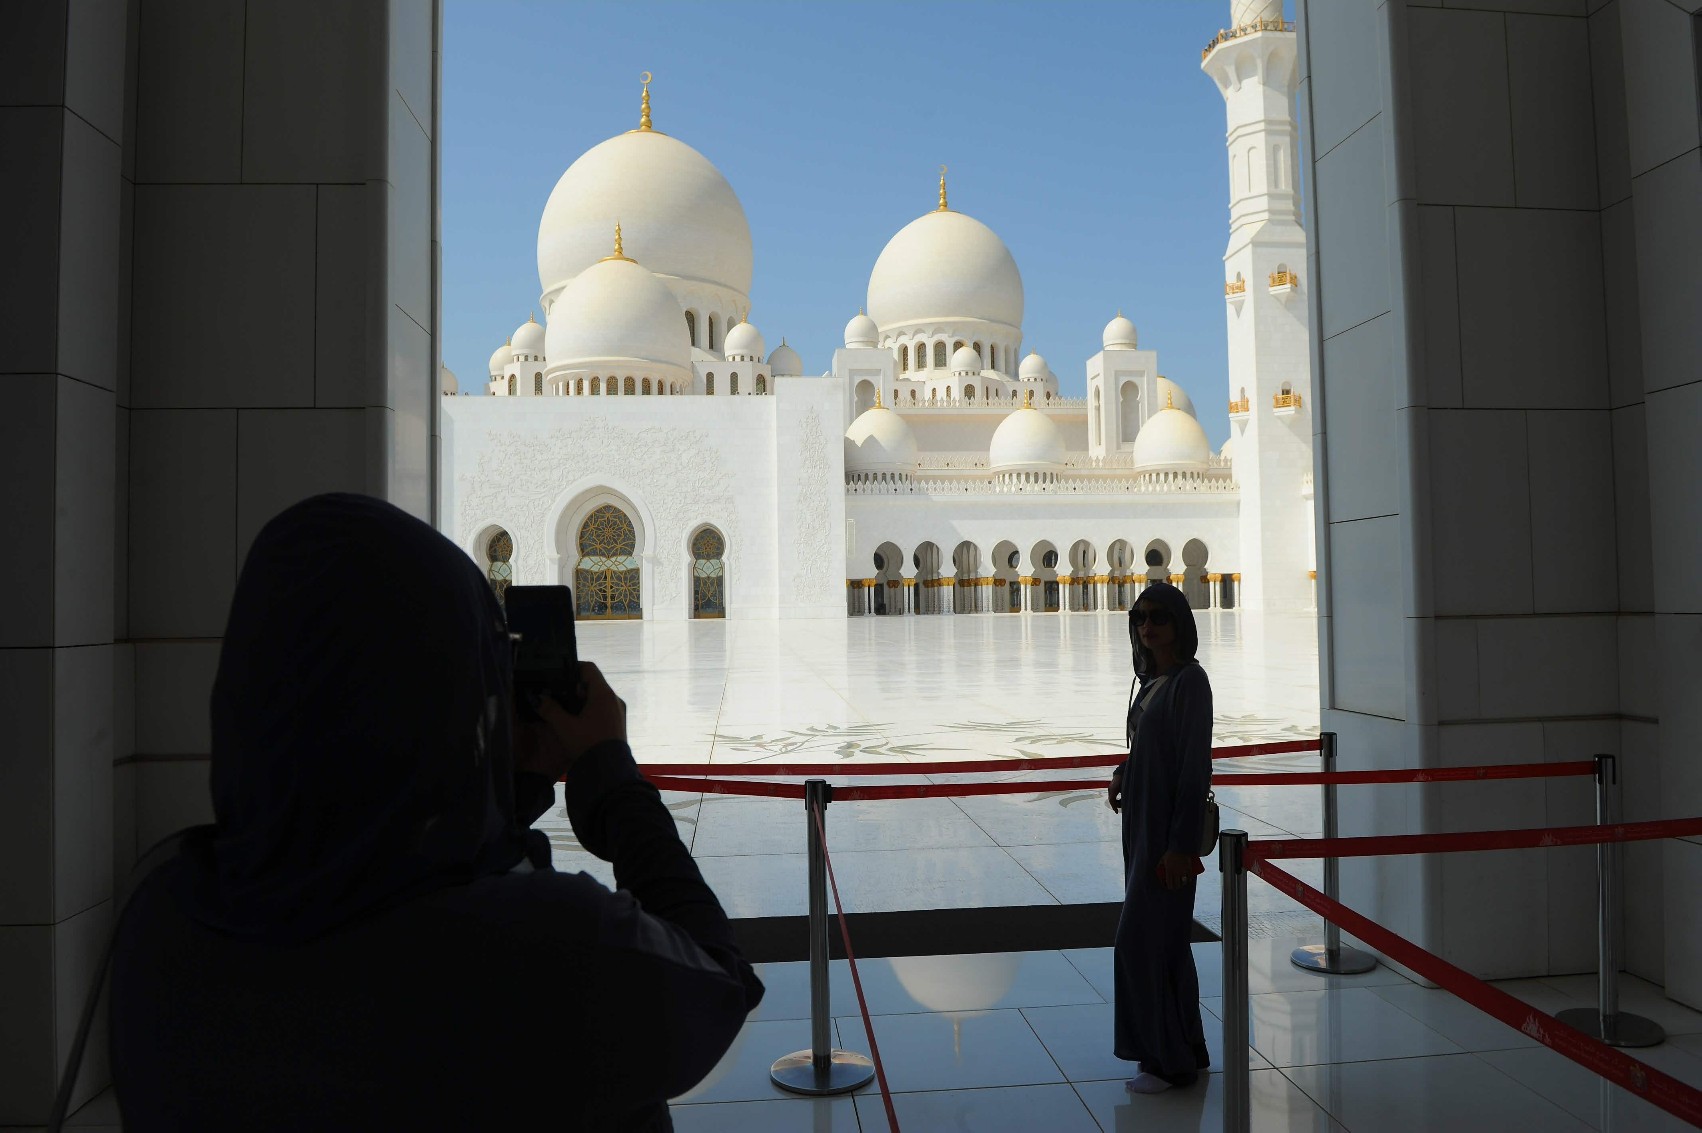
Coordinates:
[1026,441]
[879,441]
[1244,12]
[617,310]
[945,265]
[1174,396]
[681,218]
[1171,441]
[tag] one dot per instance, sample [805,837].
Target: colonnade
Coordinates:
[991,594]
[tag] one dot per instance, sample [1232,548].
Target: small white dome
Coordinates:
[500,359]
[861,332]
[785,360]
[879,441]
[1120,334]
[1171,441]
[528,338]
[447,382]
[965,361]
[1026,441]
[1033,368]
[744,341]
[1227,452]
[1244,12]
[616,310]
[1174,396]
[945,265]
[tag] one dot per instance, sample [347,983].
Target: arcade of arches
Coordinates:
[1037,579]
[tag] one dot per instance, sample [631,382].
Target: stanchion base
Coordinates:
[1347,961]
[845,1070]
[1626,1029]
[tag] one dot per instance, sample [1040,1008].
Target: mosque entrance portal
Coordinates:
[606,577]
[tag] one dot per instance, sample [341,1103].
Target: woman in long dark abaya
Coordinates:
[1161,792]
[370,936]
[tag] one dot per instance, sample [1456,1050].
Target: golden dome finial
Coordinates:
[1028,398]
[878,404]
[943,206]
[531,316]
[644,107]
[1169,399]
[620,249]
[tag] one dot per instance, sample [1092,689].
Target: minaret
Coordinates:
[1270,377]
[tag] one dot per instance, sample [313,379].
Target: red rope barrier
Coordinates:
[856,980]
[724,786]
[959,790]
[1678,1099]
[1406,775]
[1540,838]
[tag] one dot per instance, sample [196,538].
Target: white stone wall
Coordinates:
[1509,380]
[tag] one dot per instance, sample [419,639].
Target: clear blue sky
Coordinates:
[1084,134]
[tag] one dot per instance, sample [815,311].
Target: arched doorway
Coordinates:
[1044,558]
[926,560]
[1082,557]
[889,579]
[499,553]
[968,596]
[1007,586]
[1120,564]
[1195,588]
[708,574]
[865,397]
[606,575]
[1157,559]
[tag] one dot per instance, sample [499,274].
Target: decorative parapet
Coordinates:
[1225,35]
[1238,408]
[986,403]
[1234,287]
[1285,401]
[1049,484]
[1284,279]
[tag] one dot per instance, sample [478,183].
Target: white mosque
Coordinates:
[644,445]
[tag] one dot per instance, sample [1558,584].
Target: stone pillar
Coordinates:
[907,596]
[1216,583]
[1066,593]
[1025,592]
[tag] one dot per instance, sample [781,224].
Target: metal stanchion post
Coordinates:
[1237,1029]
[1606,1021]
[1331,958]
[822,1069]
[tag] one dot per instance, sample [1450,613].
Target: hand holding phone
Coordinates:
[551,744]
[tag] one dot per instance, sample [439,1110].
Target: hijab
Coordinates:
[360,726]
[1168,598]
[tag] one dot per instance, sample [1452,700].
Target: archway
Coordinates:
[1195,588]
[1120,564]
[865,397]
[1094,435]
[1007,587]
[708,574]
[1157,560]
[968,595]
[606,579]
[1129,413]
[1044,592]
[889,579]
[498,549]
[926,560]
[1082,558]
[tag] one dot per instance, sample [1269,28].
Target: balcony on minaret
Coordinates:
[1226,34]
[1283,282]
[1235,290]
[1285,401]
[1240,408]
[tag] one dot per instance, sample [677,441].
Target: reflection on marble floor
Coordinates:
[921,690]
[1021,1041]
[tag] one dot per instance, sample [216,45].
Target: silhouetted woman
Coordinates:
[1161,793]
[371,937]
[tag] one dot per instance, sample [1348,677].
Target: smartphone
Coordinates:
[546,656]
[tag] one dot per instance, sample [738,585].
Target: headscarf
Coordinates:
[360,726]
[1166,597]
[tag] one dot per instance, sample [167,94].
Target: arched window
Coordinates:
[921,356]
[691,326]
[992,357]
[933,395]
[956,346]
[709,383]
[969,393]
[940,355]
[904,358]
[513,385]
[761,384]
[733,383]
[1094,432]
[614,387]
[912,397]
[596,385]
[646,386]
[579,387]
[629,387]
[606,577]
[710,345]
[708,575]
[499,549]
[538,385]
[977,348]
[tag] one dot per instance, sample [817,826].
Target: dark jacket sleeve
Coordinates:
[667,961]
[1191,731]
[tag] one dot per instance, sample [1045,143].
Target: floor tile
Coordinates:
[909,984]
[958,1051]
[1635,995]
[762,885]
[1452,1017]
[1095,965]
[805,1115]
[1277,1106]
[733,825]
[1591,1099]
[742,1073]
[1009,1109]
[1075,872]
[1080,1041]
[1455,1094]
[1300,1028]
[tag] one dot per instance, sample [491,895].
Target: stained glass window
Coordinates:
[939,355]
[904,357]
[499,549]
[761,384]
[708,575]
[709,384]
[647,386]
[733,386]
[691,326]
[606,577]
[629,387]
[512,386]
[538,385]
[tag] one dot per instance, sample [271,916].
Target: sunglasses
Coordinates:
[1156,617]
